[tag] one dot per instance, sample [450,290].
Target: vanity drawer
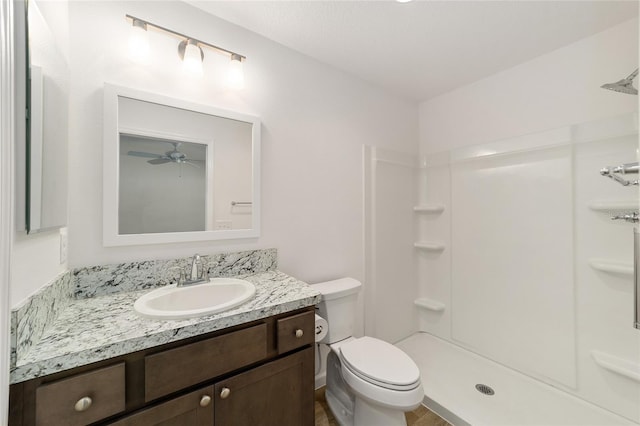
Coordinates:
[176,369]
[192,409]
[83,398]
[295,331]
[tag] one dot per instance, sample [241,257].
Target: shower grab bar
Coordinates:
[636,279]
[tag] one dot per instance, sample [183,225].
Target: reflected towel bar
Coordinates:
[241,203]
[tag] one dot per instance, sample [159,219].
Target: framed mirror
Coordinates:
[175,171]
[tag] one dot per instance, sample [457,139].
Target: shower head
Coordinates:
[623,86]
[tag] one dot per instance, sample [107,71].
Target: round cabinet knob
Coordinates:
[225,392]
[205,400]
[299,333]
[83,404]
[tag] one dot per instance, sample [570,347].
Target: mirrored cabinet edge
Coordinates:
[41,78]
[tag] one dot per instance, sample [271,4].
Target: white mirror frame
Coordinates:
[111,171]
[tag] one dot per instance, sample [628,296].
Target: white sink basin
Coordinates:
[217,295]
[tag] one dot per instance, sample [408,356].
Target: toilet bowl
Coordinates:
[369,381]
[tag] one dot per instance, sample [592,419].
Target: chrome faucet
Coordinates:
[194,267]
[195,276]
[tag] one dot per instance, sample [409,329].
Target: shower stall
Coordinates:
[523,311]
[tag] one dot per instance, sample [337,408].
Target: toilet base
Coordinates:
[375,415]
[352,410]
[341,412]
[365,414]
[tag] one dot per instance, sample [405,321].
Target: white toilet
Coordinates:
[369,382]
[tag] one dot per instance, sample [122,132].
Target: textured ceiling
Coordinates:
[422,49]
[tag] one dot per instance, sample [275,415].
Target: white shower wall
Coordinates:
[390,275]
[512,260]
[534,274]
[604,298]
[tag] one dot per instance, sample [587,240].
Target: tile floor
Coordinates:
[421,416]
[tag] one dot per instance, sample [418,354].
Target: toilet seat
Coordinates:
[380,363]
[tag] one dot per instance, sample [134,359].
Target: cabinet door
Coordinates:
[192,409]
[279,393]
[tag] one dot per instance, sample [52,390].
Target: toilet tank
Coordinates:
[338,307]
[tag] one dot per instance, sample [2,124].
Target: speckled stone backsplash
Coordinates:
[29,320]
[108,279]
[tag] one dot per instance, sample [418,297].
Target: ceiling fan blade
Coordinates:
[159,161]
[191,163]
[144,154]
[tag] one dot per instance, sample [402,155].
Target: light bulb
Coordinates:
[192,60]
[138,42]
[235,78]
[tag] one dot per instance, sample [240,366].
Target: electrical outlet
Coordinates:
[224,224]
[63,247]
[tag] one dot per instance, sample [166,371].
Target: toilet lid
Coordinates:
[380,361]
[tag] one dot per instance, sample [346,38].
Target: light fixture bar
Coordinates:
[160,28]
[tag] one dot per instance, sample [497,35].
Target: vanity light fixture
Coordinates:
[192,56]
[138,41]
[235,78]
[189,50]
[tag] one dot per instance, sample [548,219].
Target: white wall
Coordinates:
[556,89]
[315,120]
[35,260]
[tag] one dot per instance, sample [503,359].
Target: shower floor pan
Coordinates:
[458,386]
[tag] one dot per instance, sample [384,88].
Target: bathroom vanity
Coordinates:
[98,362]
[260,373]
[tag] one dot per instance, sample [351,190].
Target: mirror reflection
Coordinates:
[153,170]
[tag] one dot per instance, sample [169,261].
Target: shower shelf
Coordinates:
[429,304]
[608,205]
[429,246]
[617,365]
[429,208]
[612,266]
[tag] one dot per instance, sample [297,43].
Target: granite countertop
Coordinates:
[98,328]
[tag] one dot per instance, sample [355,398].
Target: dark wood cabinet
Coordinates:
[193,409]
[260,373]
[169,371]
[82,398]
[274,394]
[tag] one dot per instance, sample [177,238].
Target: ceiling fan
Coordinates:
[174,156]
